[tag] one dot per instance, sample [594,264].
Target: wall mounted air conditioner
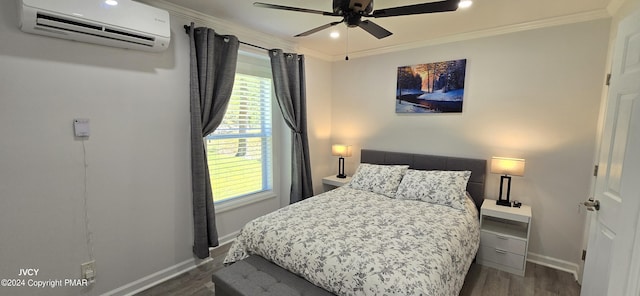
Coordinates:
[118,23]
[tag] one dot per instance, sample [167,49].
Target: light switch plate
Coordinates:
[81,127]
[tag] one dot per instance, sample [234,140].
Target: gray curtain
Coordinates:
[213,68]
[289,82]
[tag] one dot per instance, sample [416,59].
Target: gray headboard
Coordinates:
[478,167]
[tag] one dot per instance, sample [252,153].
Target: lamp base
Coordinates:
[502,202]
[341,173]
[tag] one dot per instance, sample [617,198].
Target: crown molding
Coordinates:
[614,6]
[538,24]
[223,26]
[268,41]
[314,53]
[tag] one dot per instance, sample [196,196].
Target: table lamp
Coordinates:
[342,151]
[507,167]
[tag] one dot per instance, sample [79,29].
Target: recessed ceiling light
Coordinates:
[465,3]
[111,2]
[335,34]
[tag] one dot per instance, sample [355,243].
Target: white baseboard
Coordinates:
[158,277]
[228,238]
[554,263]
[167,273]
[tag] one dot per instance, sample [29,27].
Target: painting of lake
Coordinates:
[431,88]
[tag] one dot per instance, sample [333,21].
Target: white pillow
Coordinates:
[381,179]
[446,188]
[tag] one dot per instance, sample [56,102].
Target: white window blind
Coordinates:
[239,151]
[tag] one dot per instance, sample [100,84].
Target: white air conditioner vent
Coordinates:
[78,27]
[134,25]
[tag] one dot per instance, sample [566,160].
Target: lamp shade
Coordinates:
[507,166]
[341,150]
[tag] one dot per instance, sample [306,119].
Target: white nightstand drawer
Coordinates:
[504,236]
[503,242]
[501,257]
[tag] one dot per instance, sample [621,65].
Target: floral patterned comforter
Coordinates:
[353,242]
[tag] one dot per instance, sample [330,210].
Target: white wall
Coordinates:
[319,90]
[533,94]
[139,190]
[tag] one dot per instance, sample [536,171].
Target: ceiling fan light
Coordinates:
[465,3]
[335,34]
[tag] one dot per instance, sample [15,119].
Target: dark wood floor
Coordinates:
[538,281]
[481,281]
[196,282]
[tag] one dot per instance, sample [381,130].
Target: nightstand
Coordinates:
[504,236]
[335,181]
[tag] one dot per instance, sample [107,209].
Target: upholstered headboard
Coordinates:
[478,167]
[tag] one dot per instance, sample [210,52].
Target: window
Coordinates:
[239,152]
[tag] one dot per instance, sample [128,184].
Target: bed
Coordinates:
[373,236]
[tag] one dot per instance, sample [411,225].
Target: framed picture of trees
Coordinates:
[431,88]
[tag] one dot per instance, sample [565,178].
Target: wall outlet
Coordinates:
[88,271]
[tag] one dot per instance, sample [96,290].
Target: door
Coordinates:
[612,265]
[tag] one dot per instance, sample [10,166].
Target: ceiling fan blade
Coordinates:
[318,29]
[431,7]
[298,9]
[373,29]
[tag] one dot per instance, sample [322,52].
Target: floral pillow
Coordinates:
[446,188]
[381,179]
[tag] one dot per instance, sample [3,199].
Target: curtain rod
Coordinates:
[187,28]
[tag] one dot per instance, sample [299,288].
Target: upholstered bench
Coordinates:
[255,276]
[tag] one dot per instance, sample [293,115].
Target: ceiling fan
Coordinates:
[352,12]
